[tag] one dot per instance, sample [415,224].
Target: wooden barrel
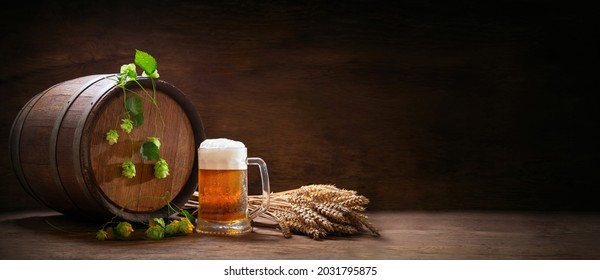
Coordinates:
[61,157]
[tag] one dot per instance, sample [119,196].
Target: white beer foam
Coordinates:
[222,154]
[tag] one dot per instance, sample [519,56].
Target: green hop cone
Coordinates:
[185,226]
[105,234]
[154,74]
[155,140]
[112,136]
[127,125]
[161,169]
[172,228]
[102,235]
[128,169]
[124,229]
[127,73]
[155,232]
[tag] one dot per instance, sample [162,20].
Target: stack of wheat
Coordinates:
[314,210]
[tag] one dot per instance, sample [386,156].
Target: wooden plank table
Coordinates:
[404,235]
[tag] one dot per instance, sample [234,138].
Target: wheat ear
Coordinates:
[314,210]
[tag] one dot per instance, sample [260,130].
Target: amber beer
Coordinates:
[223,187]
[222,196]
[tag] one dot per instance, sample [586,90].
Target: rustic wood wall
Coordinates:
[480,105]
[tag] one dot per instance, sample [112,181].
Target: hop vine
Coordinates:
[133,114]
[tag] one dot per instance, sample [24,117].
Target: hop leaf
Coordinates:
[124,229]
[127,73]
[127,125]
[161,169]
[112,136]
[147,63]
[149,151]
[157,222]
[128,169]
[185,226]
[134,106]
[189,216]
[155,232]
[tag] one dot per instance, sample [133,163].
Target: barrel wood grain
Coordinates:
[66,145]
[143,192]
[59,148]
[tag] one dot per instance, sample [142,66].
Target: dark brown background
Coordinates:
[418,106]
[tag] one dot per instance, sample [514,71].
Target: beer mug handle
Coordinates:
[266,188]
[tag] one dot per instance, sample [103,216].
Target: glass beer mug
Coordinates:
[223,187]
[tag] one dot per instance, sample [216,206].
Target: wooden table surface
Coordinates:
[404,235]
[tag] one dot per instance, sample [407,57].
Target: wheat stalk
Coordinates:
[314,210]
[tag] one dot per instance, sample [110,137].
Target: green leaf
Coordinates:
[135,108]
[138,119]
[134,104]
[149,151]
[146,62]
[159,221]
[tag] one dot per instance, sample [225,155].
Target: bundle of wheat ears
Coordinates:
[314,210]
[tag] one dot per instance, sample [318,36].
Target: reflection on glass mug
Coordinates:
[223,187]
